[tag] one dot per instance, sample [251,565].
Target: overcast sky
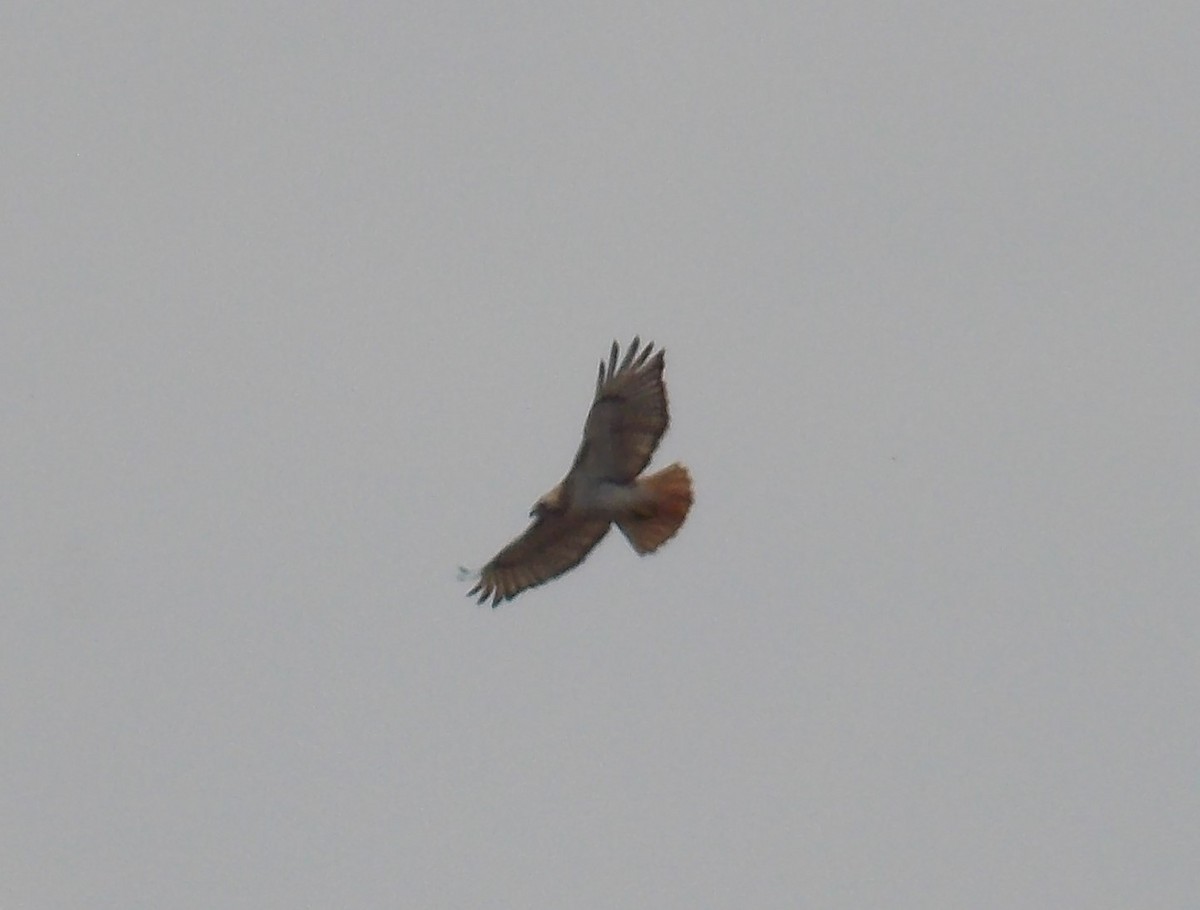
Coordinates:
[300,309]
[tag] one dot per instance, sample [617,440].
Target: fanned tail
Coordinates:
[667,498]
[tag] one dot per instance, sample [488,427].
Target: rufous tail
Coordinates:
[667,496]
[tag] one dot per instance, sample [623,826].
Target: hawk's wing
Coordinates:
[554,543]
[628,416]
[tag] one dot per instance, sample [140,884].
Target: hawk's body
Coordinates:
[627,419]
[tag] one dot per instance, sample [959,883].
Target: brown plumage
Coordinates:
[627,419]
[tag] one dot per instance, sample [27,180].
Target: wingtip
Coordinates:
[635,357]
[631,353]
[481,593]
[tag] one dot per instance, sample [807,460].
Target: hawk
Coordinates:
[627,419]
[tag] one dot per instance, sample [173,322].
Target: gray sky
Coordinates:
[302,306]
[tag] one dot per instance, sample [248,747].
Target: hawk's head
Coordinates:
[554,501]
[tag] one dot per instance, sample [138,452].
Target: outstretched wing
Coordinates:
[554,543]
[628,416]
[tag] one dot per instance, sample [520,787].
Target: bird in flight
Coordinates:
[627,419]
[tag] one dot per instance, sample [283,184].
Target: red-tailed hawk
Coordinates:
[627,419]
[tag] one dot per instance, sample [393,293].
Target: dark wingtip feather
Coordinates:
[630,353]
[646,354]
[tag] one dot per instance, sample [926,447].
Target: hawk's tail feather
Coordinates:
[668,495]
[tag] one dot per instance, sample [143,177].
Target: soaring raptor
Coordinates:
[627,419]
